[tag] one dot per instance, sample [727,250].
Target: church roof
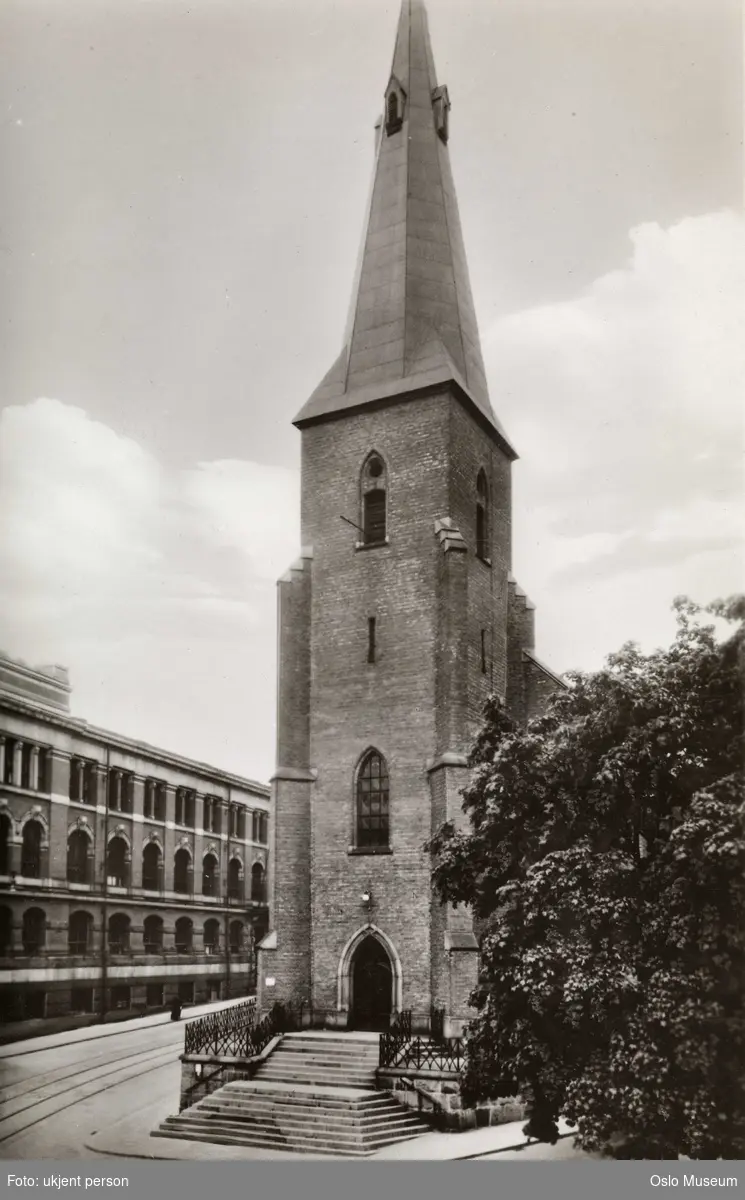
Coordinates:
[412,322]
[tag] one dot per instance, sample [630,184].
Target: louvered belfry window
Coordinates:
[372,802]
[374,506]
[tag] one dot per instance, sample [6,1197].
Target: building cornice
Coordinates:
[105,737]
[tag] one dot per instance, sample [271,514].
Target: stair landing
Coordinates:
[314,1094]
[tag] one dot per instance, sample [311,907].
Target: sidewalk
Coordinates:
[130,1138]
[87,1033]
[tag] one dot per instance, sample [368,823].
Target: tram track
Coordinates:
[22,1088]
[76,1093]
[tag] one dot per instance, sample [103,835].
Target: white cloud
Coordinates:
[128,574]
[627,405]
[248,507]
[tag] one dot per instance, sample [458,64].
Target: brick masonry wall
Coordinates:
[389,704]
[471,451]
[405,704]
[539,687]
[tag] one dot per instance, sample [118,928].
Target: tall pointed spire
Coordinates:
[412,323]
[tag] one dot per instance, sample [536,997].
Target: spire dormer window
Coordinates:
[441,109]
[395,99]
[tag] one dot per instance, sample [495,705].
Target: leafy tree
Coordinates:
[605,866]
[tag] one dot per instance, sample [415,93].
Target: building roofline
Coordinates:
[9,701]
[398,393]
[547,670]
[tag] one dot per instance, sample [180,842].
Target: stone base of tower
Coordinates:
[455,954]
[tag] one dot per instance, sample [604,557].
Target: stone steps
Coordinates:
[329,1061]
[259,1142]
[350,1135]
[324,1078]
[313,1095]
[315,1124]
[341,1120]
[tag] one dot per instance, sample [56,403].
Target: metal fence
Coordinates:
[234,1033]
[220,1032]
[399,1048]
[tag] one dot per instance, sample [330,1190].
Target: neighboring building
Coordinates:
[128,875]
[400,617]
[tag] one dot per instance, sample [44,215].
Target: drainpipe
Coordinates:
[104,902]
[227,904]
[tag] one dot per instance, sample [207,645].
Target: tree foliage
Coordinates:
[605,866]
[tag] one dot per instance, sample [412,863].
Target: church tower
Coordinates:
[400,616]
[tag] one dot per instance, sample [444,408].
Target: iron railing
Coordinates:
[233,1032]
[219,1033]
[393,1040]
[424,1055]
[399,1048]
[283,1018]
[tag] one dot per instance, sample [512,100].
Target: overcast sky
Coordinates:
[182,198]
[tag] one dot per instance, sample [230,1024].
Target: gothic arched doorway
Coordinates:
[372,986]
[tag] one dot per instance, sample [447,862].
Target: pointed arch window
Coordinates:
[482,517]
[394,106]
[374,501]
[372,803]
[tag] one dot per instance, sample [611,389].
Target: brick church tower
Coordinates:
[400,616]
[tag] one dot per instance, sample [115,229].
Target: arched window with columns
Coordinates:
[182,871]
[34,930]
[6,835]
[258,884]
[152,934]
[33,836]
[6,932]
[152,874]
[235,879]
[80,933]
[78,858]
[212,936]
[184,935]
[117,862]
[119,933]
[209,874]
[237,936]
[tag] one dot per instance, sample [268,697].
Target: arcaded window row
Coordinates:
[80,934]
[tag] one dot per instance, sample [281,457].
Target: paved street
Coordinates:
[99,1091]
[56,1091]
